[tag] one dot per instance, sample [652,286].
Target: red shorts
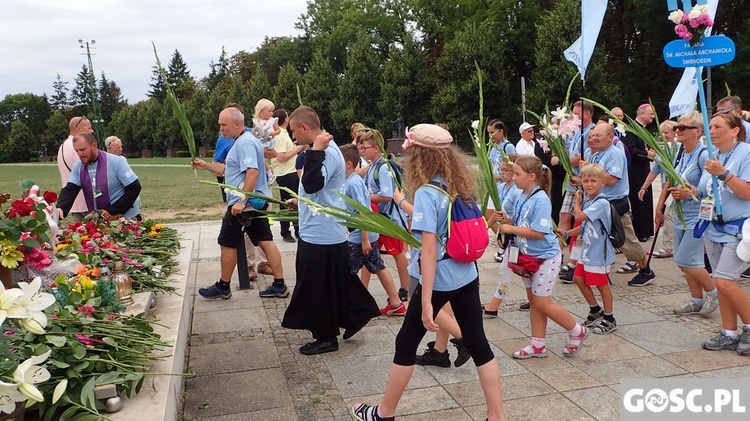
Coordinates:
[593,276]
[390,245]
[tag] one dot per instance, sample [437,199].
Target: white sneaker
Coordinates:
[689,308]
[710,304]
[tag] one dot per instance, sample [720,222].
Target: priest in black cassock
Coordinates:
[641,157]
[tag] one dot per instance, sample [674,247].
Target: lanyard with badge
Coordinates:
[512,248]
[708,206]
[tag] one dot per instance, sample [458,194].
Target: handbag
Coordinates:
[526,265]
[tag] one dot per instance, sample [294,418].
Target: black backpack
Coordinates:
[616,232]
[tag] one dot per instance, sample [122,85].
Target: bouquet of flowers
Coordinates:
[24,233]
[691,26]
[558,128]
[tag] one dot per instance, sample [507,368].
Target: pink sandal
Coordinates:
[571,349]
[530,351]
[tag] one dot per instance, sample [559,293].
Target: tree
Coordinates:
[110,98]
[32,110]
[21,144]
[238,92]
[157,88]
[55,133]
[407,85]
[319,88]
[81,97]
[59,99]
[178,77]
[259,88]
[358,90]
[218,71]
[285,93]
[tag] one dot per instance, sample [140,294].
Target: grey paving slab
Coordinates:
[520,321]
[734,372]
[443,415]
[625,313]
[661,337]
[373,339]
[601,402]
[236,320]
[646,367]
[421,401]
[275,414]
[553,406]
[367,375]
[566,379]
[233,393]
[552,361]
[497,329]
[229,357]
[703,360]
[241,299]
[596,349]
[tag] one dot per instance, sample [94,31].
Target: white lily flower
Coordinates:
[475,124]
[28,373]
[36,323]
[9,395]
[9,307]
[32,299]
[676,16]
[560,114]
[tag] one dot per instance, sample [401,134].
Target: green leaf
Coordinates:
[108,378]
[57,341]
[88,398]
[75,298]
[59,390]
[59,364]
[68,414]
[79,351]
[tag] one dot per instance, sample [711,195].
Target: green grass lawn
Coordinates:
[170,194]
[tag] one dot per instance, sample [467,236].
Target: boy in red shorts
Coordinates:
[597,252]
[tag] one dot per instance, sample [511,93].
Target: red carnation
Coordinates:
[19,208]
[50,197]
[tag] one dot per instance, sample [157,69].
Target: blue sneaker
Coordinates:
[275,292]
[215,291]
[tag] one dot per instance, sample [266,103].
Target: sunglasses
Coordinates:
[80,120]
[364,148]
[684,127]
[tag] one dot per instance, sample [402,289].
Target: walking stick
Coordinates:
[656,236]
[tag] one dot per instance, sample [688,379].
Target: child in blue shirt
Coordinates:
[597,254]
[431,156]
[535,241]
[363,245]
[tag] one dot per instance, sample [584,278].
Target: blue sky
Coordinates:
[39,38]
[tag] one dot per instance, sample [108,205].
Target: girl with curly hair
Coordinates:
[432,157]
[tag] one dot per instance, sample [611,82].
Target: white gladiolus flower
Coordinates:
[560,114]
[475,124]
[676,16]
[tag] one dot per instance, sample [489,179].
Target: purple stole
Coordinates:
[102,202]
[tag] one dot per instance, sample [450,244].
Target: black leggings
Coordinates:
[468,311]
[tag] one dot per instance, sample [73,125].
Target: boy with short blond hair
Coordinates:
[597,254]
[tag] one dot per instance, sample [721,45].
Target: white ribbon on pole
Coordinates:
[683,98]
[592,15]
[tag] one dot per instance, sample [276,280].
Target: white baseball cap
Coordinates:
[525,126]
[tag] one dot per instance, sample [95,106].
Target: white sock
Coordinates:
[712,293]
[731,333]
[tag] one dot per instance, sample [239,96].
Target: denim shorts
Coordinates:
[688,250]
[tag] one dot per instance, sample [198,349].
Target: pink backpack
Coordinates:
[467,229]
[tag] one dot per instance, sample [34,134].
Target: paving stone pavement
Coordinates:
[247,367]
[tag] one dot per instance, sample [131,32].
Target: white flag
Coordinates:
[580,52]
[683,98]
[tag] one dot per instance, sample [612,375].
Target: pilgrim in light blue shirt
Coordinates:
[508,196]
[354,187]
[431,215]
[597,250]
[384,186]
[535,211]
[733,208]
[574,149]
[690,167]
[244,155]
[321,229]
[615,164]
[119,175]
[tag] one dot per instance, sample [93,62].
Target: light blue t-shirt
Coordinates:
[119,175]
[597,250]
[354,187]
[733,208]
[508,196]
[318,228]
[384,186]
[431,215]
[690,167]
[496,158]
[574,149]
[535,211]
[245,154]
[615,164]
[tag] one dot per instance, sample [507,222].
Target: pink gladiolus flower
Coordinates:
[87,310]
[85,340]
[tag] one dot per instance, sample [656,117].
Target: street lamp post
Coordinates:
[96,119]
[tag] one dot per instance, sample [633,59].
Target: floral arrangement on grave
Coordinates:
[691,26]
[25,230]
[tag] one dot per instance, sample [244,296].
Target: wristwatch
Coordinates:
[723,176]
